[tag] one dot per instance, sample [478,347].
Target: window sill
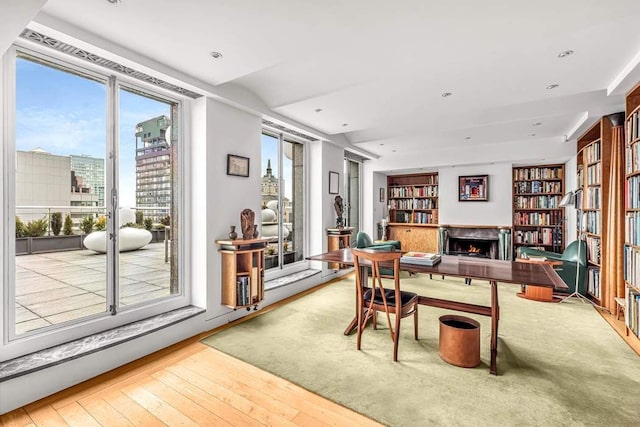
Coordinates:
[81,347]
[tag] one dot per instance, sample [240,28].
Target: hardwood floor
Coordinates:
[188,383]
[185,384]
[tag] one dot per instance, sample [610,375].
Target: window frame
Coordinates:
[10,344]
[283,136]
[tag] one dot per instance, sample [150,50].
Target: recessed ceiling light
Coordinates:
[467,137]
[533,134]
[216,55]
[113,1]
[345,124]
[446,94]
[537,123]
[318,110]
[565,53]
[381,145]
[552,86]
[393,151]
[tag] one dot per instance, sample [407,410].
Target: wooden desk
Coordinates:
[474,268]
[539,293]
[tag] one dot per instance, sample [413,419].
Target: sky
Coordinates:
[65,114]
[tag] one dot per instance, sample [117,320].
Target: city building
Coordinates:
[90,172]
[153,167]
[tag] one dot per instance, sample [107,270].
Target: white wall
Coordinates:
[496,211]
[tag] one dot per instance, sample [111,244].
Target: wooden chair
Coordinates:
[376,298]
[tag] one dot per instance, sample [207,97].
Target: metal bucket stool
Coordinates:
[459,343]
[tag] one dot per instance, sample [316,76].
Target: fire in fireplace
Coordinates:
[471,247]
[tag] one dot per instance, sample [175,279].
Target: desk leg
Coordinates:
[495,317]
[353,325]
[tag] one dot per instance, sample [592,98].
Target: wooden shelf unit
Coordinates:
[593,168]
[338,238]
[632,213]
[537,219]
[242,272]
[413,199]
[413,211]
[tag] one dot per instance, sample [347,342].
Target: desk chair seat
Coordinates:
[376,298]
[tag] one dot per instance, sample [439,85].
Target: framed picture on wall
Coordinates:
[473,188]
[381,194]
[237,165]
[334,182]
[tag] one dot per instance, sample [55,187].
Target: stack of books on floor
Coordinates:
[420,258]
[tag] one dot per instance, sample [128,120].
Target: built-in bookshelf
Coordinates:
[632,212]
[593,169]
[538,221]
[413,199]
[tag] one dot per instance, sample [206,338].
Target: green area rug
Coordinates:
[558,364]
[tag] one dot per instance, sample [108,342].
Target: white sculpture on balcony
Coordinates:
[129,238]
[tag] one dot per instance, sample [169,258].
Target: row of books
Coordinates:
[542,237]
[243,291]
[631,266]
[594,174]
[593,282]
[593,198]
[591,222]
[536,202]
[633,123]
[421,258]
[593,249]
[533,187]
[632,228]
[632,158]
[413,204]
[415,217]
[537,218]
[632,310]
[521,174]
[412,191]
[592,152]
[632,192]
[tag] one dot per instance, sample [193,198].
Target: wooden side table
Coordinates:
[338,238]
[539,293]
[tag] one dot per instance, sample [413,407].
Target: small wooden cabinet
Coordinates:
[242,272]
[338,238]
[414,237]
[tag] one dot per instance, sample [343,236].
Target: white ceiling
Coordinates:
[380,66]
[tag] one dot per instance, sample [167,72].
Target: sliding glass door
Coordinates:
[93,197]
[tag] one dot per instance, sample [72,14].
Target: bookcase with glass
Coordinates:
[538,221]
[632,212]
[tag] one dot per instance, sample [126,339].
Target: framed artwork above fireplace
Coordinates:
[473,188]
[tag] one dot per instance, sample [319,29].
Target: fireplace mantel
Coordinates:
[500,236]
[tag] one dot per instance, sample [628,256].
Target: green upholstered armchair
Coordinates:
[569,260]
[363,241]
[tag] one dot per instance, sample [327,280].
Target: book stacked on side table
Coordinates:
[421,258]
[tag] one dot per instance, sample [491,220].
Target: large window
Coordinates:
[92,202]
[282,200]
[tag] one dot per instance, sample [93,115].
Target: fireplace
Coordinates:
[476,241]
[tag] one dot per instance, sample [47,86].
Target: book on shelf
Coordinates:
[422,258]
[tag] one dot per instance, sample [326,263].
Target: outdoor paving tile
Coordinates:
[137,288]
[77,314]
[98,286]
[130,270]
[134,299]
[31,287]
[71,272]
[90,276]
[75,302]
[49,296]
[153,275]
[22,314]
[31,325]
